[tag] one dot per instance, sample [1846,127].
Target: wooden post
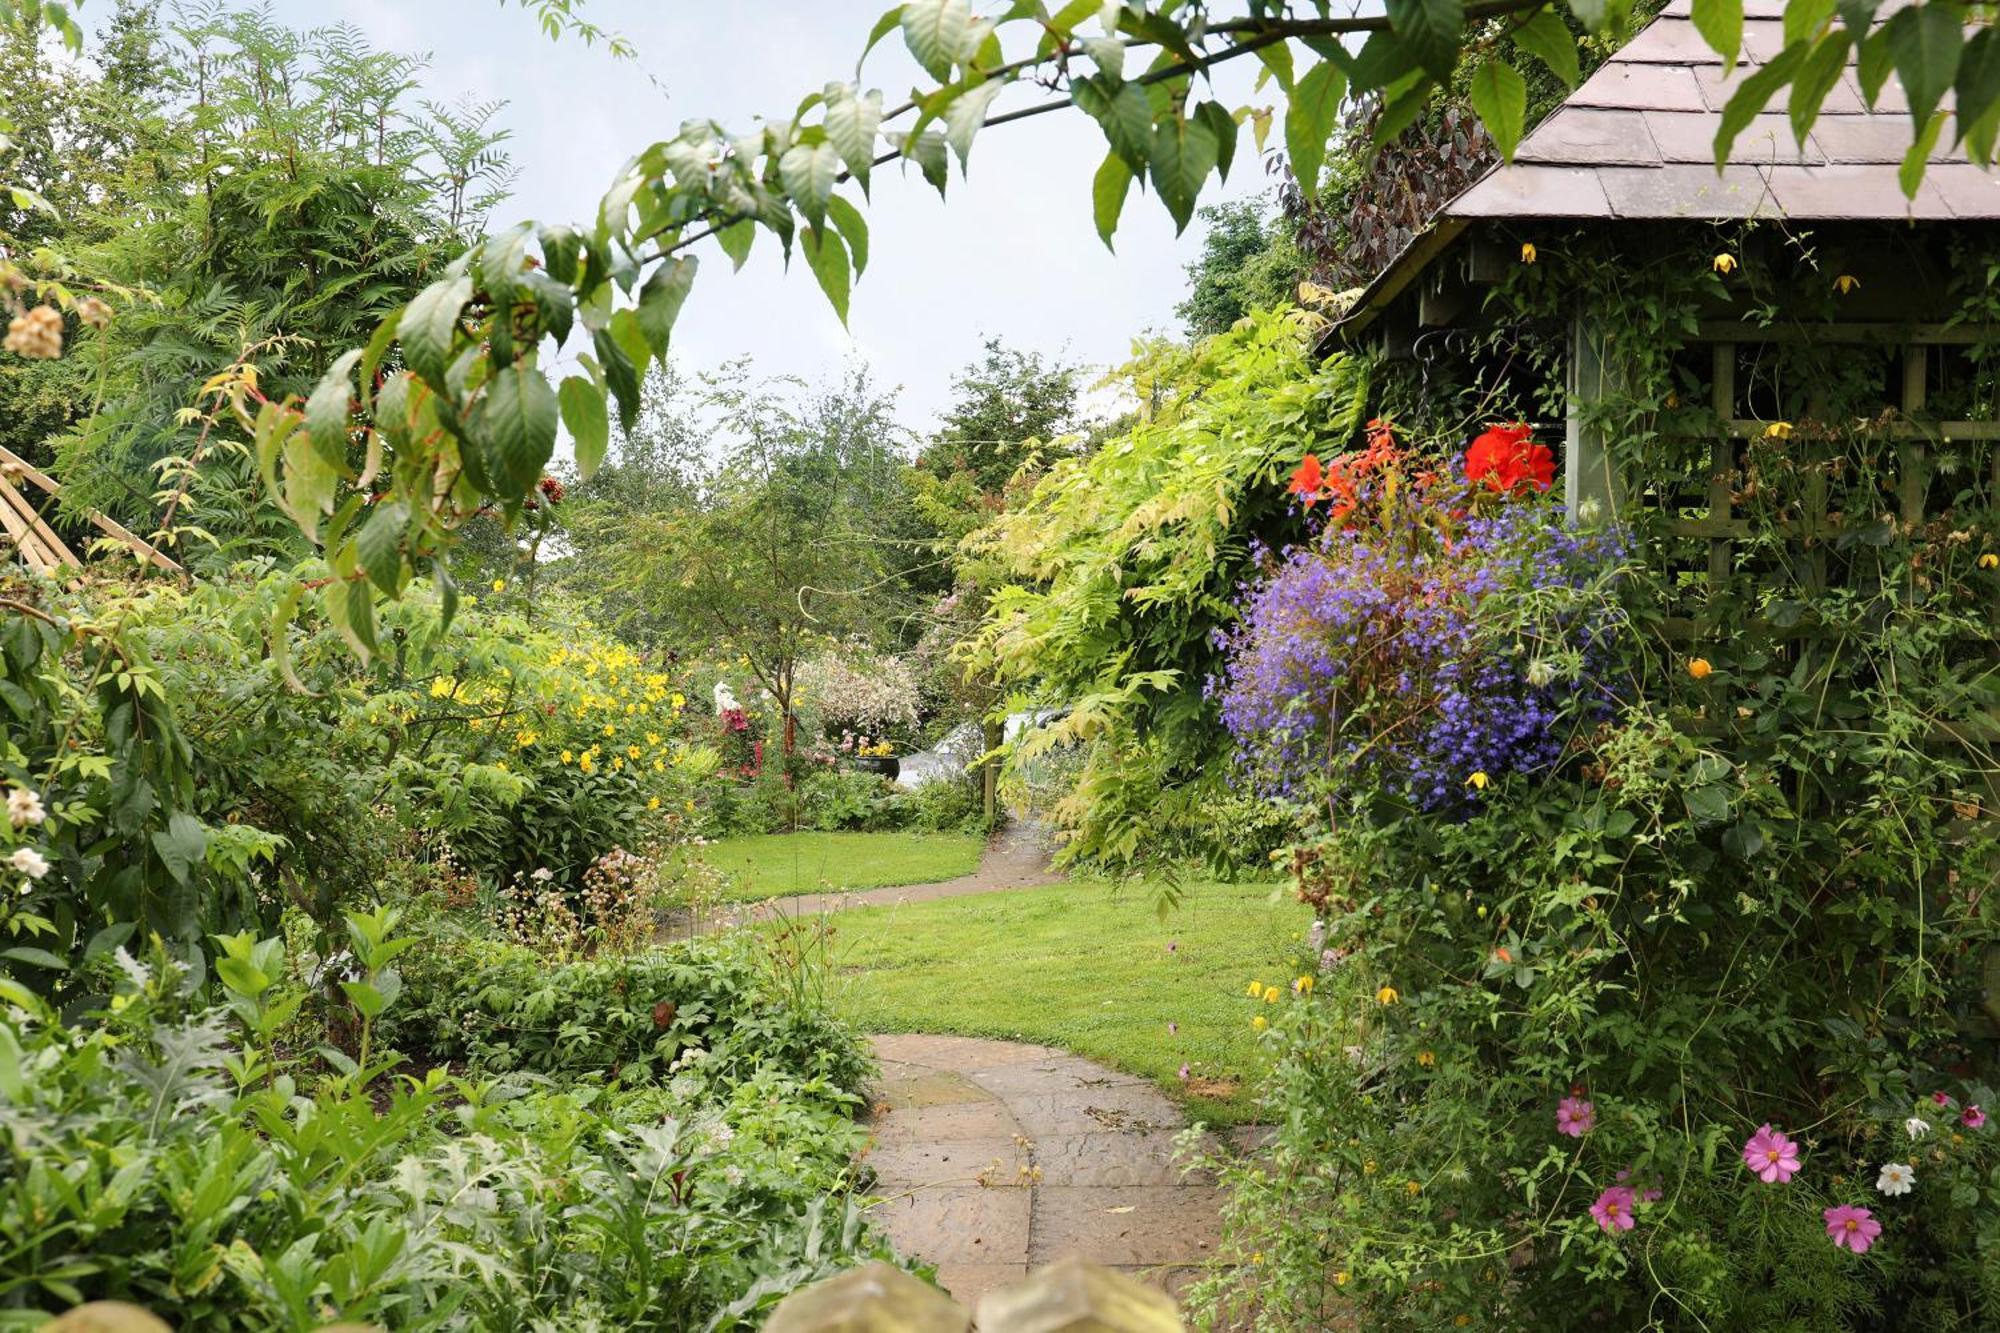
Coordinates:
[989,770]
[1589,473]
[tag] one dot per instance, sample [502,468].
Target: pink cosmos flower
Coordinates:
[1613,1210]
[1972,1117]
[1575,1117]
[1941,1098]
[1852,1228]
[1773,1157]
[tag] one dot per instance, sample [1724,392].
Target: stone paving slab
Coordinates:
[1077,1159]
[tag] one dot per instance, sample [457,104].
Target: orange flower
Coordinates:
[1308,479]
[1699,668]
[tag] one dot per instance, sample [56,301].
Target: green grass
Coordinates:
[1085,968]
[776,865]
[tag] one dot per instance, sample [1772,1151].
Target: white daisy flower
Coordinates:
[1896,1178]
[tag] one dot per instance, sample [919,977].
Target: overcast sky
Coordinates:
[1012,252]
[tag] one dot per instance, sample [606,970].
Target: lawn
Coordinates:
[1082,967]
[775,865]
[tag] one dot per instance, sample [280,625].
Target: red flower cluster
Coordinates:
[1506,460]
[1341,483]
[553,489]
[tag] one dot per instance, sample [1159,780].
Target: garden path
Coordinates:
[1017,858]
[995,1157]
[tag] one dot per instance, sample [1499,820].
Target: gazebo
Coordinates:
[1630,153]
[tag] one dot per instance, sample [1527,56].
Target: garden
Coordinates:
[1459,787]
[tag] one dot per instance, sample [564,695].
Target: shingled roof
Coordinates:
[1636,142]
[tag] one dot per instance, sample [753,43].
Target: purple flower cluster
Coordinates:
[1369,660]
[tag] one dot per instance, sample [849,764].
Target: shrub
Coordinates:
[1667,909]
[155,1154]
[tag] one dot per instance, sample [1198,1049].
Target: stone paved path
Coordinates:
[994,1157]
[1017,858]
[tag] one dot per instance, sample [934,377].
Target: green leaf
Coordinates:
[1707,805]
[735,240]
[1124,115]
[851,125]
[365,998]
[1500,96]
[936,33]
[379,545]
[1925,42]
[1806,19]
[1277,58]
[430,324]
[1183,154]
[932,157]
[515,423]
[1873,64]
[1107,195]
[181,844]
[1751,95]
[1978,81]
[35,958]
[1818,72]
[1548,39]
[1431,30]
[827,258]
[891,19]
[1720,23]
[1223,127]
[589,423]
[1310,117]
[853,229]
[966,114]
[808,171]
[1911,174]
[327,410]
[620,374]
[245,978]
[660,300]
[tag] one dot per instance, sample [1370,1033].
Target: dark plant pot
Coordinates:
[887,765]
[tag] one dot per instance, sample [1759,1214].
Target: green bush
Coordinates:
[172,1155]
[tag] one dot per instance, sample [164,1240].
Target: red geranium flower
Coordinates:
[1307,480]
[1506,460]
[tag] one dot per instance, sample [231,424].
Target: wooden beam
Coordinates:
[104,522]
[39,526]
[1729,330]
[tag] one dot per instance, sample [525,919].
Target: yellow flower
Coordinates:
[659,767]
[1304,985]
[1256,989]
[1778,430]
[1260,1022]
[1989,561]
[1256,1256]
[631,752]
[1387,995]
[1725,264]
[1270,995]
[587,764]
[523,739]
[1427,1058]
[652,738]
[1463,1321]
[1846,283]
[1479,780]
[1368,1167]
[499,585]
[1527,252]
[1413,1187]
[610,730]
[653,804]
[1340,1279]
[1699,668]
[443,687]
[617,762]
[679,699]
[567,756]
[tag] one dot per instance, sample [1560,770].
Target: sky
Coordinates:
[1010,253]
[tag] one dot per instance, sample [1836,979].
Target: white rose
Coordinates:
[25,807]
[29,862]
